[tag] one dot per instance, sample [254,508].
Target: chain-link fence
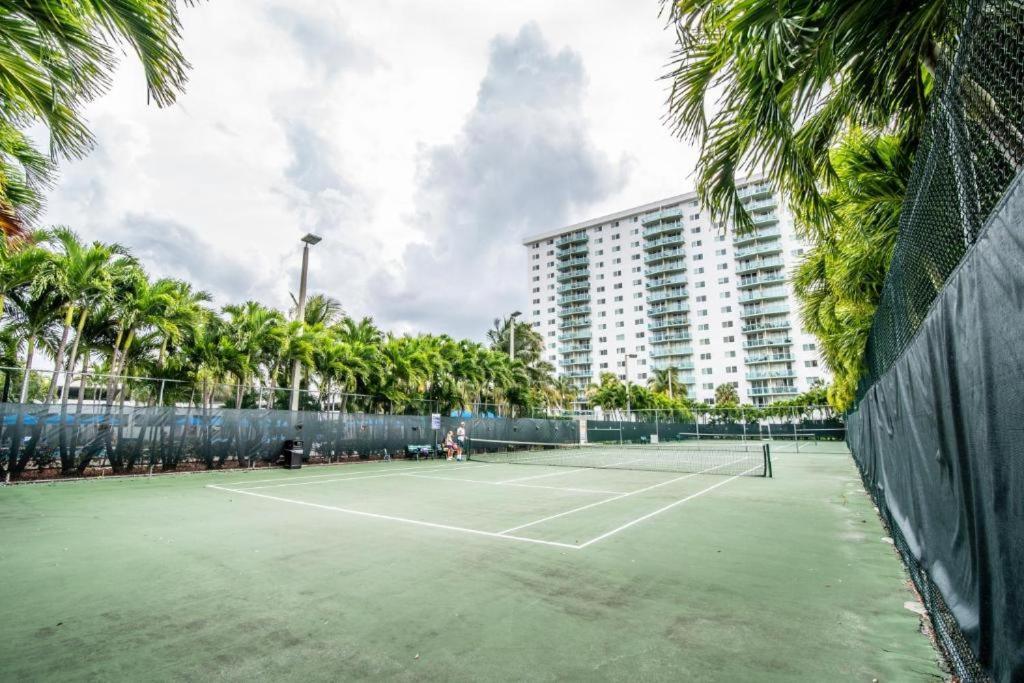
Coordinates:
[936,430]
[972,149]
[44,441]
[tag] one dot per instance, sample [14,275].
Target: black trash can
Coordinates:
[292,452]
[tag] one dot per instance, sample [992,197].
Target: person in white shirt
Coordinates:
[460,440]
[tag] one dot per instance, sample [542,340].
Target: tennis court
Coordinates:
[686,562]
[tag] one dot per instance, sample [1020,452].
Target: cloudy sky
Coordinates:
[422,140]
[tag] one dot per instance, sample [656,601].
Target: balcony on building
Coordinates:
[574,273]
[767,341]
[673,336]
[669,294]
[672,350]
[578,333]
[574,286]
[763,279]
[578,374]
[668,321]
[676,265]
[670,214]
[771,309]
[756,190]
[573,263]
[677,364]
[577,360]
[576,347]
[762,294]
[665,241]
[566,311]
[574,323]
[769,358]
[578,237]
[758,233]
[778,390]
[673,307]
[751,204]
[666,281]
[572,251]
[756,264]
[574,299]
[759,249]
[662,255]
[766,326]
[770,374]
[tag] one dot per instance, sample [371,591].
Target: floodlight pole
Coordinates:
[300,313]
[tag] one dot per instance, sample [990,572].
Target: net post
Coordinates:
[767,461]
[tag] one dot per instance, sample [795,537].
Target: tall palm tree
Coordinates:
[839,281]
[320,309]
[86,278]
[251,330]
[790,79]
[666,381]
[57,56]
[36,311]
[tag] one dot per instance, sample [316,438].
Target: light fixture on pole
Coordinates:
[512,334]
[300,312]
[629,405]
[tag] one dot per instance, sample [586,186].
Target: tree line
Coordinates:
[93,311]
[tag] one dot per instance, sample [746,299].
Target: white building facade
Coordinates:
[661,285]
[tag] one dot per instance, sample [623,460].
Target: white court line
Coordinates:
[332,474]
[331,481]
[663,509]
[549,474]
[391,518]
[618,497]
[505,483]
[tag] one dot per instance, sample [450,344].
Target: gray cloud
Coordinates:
[521,163]
[168,248]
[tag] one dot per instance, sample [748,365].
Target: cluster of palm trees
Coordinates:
[830,101]
[664,399]
[92,310]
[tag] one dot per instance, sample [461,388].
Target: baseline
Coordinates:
[509,483]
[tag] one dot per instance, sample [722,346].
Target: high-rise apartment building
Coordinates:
[661,285]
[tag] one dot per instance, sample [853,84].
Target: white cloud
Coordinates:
[423,140]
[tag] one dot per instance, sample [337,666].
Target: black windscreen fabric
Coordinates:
[939,439]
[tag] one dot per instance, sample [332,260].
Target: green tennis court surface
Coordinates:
[457,571]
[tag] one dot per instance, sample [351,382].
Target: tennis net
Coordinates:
[747,460]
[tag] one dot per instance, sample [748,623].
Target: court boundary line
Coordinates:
[664,508]
[405,520]
[379,464]
[620,497]
[505,483]
[366,476]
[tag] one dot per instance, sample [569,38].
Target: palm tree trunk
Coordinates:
[30,349]
[59,360]
[114,360]
[74,355]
